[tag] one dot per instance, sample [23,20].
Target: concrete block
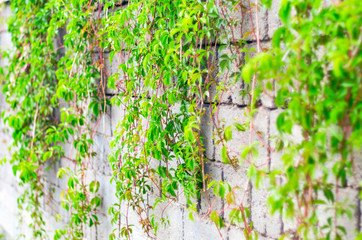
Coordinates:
[227,90]
[208,201]
[275,156]
[104,229]
[202,230]
[112,69]
[103,124]
[295,137]
[117,114]
[107,192]
[263,222]
[228,115]
[128,215]
[5,41]
[207,128]
[6,175]
[289,226]
[243,20]
[155,183]
[274,21]
[267,98]
[350,198]
[261,237]
[101,148]
[328,3]
[9,211]
[235,233]
[52,199]
[238,180]
[175,228]
[51,168]
[357,168]
[5,13]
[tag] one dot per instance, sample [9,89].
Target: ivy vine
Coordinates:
[176,61]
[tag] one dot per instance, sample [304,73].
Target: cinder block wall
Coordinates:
[9,190]
[180,227]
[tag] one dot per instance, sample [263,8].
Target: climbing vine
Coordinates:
[52,85]
[316,66]
[174,67]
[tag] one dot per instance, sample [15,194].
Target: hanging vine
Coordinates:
[177,64]
[316,65]
[52,87]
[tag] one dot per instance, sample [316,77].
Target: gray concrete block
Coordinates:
[274,21]
[129,215]
[238,180]
[243,20]
[356,157]
[117,114]
[208,201]
[350,198]
[7,176]
[101,150]
[207,128]
[295,137]
[107,192]
[8,208]
[268,97]
[155,183]
[261,237]
[263,222]
[104,229]
[113,69]
[235,233]
[175,228]
[328,3]
[5,13]
[202,230]
[227,90]
[275,156]
[5,40]
[103,124]
[228,115]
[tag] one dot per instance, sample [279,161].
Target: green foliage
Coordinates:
[51,86]
[156,145]
[316,63]
[176,60]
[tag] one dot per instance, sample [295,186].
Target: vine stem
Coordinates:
[254,77]
[253,93]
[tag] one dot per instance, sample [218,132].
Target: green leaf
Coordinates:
[228,133]
[266,3]
[247,73]
[240,127]
[191,216]
[96,201]
[217,219]
[221,191]
[224,155]
[94,186]
[328,194]
[71,183]
[284,12]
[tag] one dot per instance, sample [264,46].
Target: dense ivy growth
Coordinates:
[175,62]
[316,62]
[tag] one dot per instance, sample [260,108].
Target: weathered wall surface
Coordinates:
[180,227]
[9,190]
